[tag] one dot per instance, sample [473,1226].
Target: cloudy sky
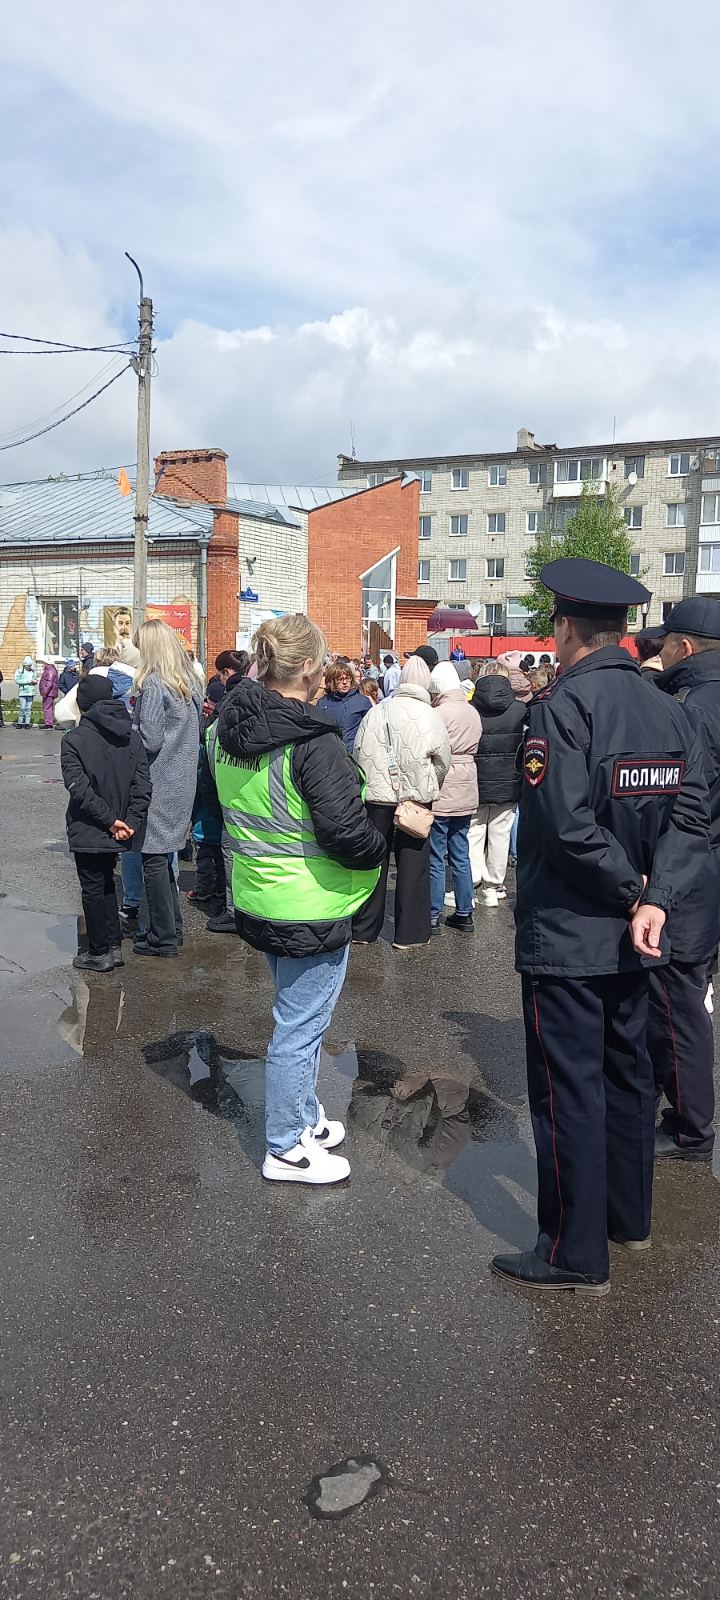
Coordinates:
[419,225]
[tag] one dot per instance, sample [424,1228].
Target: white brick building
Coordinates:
[480,514]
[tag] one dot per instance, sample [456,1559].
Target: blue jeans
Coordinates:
[24,716]
[513,835]
[450,835]
[306,994]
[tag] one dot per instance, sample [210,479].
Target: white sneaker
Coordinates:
[501,893]
[450,899]
[709,999]
[488,897]
[326,1133]
[307,1162]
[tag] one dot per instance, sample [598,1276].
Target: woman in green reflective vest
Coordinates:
[305,857]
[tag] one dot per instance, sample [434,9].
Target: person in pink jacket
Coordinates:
[456,806]
[49,689]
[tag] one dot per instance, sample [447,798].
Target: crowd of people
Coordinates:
[302,775]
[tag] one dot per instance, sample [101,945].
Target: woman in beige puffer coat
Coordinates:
[421,751]
[458,802]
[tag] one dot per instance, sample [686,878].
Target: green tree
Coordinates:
[596,530]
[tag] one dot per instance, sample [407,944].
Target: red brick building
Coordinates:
[362,569]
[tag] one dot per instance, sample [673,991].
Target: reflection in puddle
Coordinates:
[92,1018]
[33,941]
[224,1082]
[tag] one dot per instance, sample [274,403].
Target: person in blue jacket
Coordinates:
[343,701]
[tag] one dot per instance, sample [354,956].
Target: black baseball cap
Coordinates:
[699,614]
[591,589]
[426,654]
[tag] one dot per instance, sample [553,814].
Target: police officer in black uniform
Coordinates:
[680,1033]
[613,828]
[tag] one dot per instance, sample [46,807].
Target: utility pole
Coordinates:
[141,365]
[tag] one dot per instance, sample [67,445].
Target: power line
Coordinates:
[68,414]
[47,416]
[93,475]
[58,347]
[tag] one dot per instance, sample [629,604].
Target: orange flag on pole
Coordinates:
[123,482]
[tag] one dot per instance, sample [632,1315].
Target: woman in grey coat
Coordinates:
[167,717]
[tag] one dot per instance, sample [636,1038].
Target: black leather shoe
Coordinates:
[462,924]
[87,963]
[118,959]
[225,923]
[142,948]
[530,1272]
[667,1150]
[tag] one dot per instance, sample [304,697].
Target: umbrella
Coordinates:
[444,619]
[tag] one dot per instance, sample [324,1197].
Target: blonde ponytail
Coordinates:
[282,645]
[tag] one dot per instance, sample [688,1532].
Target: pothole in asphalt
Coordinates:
[344,1487]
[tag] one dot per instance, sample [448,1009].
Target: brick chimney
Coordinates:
[192,475]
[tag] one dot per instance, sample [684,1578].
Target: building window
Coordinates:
[674,563]
[457,571]
[678,515]
[635,564]
[496,566]
[635,464]
[425,482]
[710,509]
[425,527]
[493,616]
[460,478]
[710,558]
[633,516]
[459,525]
[374,478]
[497,477]
[679,464]
[423,571]
[517,614]
[536,522]
[538,472]
[496,522]
[585,470]
[59,627]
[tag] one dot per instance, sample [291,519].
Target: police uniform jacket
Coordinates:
[613,789]
[694,926]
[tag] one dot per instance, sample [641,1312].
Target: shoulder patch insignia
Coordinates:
[535,760]
[647,775]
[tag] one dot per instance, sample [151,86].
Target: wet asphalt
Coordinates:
[186,1351]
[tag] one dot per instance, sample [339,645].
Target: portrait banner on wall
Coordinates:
[117,625]
[117,622]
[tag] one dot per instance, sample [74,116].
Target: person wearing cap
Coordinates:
[426,652]
[613,830]
[680,1033]
[105,770]
[391,678]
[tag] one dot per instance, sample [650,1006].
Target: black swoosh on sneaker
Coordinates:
[303,1162]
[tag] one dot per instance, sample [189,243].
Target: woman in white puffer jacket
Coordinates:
[421,752]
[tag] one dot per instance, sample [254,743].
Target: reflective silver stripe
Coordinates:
[287,823]
[210,743]
[259,852]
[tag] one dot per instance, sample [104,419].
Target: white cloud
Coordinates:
[436,228]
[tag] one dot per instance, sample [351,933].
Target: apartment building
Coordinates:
[480,516]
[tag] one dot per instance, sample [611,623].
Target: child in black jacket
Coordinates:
[105,769]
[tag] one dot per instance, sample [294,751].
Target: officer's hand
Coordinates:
[645,930]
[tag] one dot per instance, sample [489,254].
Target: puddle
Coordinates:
[35,941]
[344,1487]
[226,1083]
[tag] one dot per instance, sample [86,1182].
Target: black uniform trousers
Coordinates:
[165,929]
[96,871]
[412,888]
[592,1101]
[682,1049]
[210,873]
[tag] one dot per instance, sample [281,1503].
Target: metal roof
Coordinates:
[263,511]
[91,511]
[294,496]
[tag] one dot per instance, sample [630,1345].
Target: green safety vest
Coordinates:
[280,872]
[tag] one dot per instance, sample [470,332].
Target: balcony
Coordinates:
[707,583]
[590,470]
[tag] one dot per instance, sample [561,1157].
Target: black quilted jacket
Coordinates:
[252,721]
